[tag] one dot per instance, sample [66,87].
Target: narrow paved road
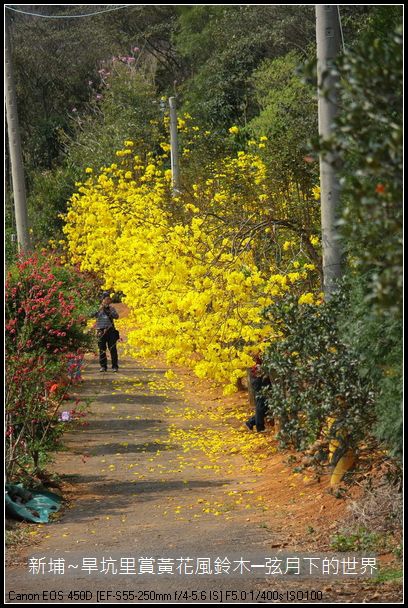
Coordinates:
[149,499]
[163,479]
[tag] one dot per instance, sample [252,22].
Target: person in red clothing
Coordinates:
[258,379]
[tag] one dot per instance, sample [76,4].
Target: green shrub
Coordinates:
[315,375]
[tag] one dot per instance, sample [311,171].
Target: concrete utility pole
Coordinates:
[175,170]
[328,47]
[16,157]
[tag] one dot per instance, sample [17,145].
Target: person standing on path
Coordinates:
[106,333]
[257,379]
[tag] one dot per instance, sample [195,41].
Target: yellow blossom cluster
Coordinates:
[192,292]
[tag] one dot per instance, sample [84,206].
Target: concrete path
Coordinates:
[149,503]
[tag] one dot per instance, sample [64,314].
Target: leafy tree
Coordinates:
[369,139]
[50,190]
[57,63]
[126,107]
[54,62]
[369,143]
[221,55]
[287,116]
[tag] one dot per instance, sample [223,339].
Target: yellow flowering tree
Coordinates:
[197,271]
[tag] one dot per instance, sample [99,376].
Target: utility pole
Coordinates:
[16,157]
[175,170]
[328,46]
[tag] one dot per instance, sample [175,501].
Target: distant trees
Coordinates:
[227,65]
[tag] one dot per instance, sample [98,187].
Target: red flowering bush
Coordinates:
[46,338]
[44,308]
[31,409]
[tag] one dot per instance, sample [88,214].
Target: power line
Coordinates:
[116,8]
[108,10]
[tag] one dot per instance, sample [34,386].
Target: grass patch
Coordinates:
[361,540]
[389,574]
